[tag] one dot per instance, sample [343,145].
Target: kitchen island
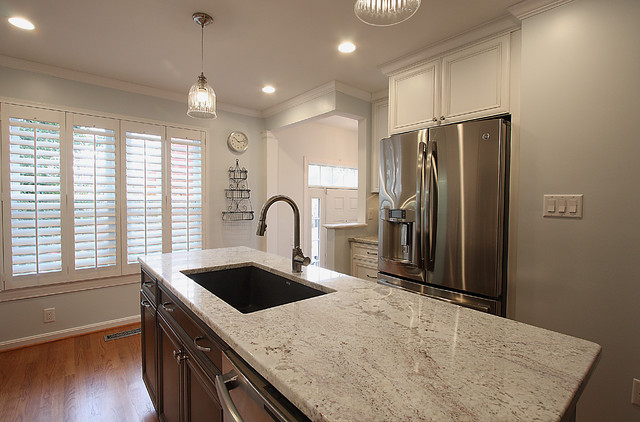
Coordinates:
[367,352]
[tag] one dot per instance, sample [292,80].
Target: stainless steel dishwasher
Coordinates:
[247,397]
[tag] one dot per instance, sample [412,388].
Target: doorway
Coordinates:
[331,197]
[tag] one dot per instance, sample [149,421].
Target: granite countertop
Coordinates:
[371,240]
[367,352]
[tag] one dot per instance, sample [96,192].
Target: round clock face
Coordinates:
[238,141]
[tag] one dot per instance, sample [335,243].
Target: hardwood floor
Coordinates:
[80,378]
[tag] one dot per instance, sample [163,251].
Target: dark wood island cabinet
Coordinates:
[181,358]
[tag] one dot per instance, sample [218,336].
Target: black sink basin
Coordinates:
[250,289]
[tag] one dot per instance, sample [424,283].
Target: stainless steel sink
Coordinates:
[250,289]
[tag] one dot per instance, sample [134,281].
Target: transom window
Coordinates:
[332,176]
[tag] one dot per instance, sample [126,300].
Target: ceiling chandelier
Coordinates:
[202,98]
[385,12]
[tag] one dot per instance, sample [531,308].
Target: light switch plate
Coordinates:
[566,206]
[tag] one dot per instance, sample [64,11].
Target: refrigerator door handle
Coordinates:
[419,230]
[431,205]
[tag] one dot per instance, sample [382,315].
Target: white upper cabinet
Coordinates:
[380,112]
[414,97]
[465,84]
[475,81]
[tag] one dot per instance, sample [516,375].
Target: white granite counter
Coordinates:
[368,352]
[371,240]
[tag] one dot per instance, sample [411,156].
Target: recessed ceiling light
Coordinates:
[268,89]
[347,47]
[21,23]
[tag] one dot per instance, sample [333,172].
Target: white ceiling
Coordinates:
[290,44]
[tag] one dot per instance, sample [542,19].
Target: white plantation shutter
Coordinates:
[143,190]
[84,196]
[186,155]
[34,193]
[93,188]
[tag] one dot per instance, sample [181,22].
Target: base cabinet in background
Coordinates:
[364,259]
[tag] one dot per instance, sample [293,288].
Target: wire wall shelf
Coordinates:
[238,196]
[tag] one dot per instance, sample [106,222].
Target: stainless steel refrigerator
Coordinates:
[443,212]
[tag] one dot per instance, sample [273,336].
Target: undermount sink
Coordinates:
[250,289]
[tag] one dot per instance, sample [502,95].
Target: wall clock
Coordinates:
[238,141]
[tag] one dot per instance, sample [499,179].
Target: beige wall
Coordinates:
[580,104]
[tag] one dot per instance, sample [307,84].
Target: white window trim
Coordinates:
[107,123]
[46,284]
[10,281]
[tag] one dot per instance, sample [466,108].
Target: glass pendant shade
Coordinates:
[385,12]
[202,100]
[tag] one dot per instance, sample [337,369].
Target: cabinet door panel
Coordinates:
[201,403]
[170,373]
[148,338]
[475,81]
[414,97]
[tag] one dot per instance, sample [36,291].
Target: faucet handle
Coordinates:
[305,260]
[298,259]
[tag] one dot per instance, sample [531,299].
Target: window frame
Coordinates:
[70,279]
[195,136]
[106,123]
[12,281]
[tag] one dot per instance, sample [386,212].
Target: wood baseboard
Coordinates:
[68,332]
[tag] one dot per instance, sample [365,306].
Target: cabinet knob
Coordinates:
[435,119]
[441,117]
[168,306]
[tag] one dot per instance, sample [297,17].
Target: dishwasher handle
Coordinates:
[237,378]
[225,398]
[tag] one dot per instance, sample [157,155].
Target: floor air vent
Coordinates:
[122,334]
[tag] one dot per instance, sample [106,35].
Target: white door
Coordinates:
[341,206]
[315,238]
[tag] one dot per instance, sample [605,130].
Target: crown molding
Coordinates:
[354,92]
[528,8]
[493,28]
[380,95]
[73,75]
[328,88]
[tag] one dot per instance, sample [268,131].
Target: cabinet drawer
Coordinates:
[149,286]
[197,338]
[365,270]
[363,251]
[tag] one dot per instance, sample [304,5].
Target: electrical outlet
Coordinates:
[50,315]
[635,394]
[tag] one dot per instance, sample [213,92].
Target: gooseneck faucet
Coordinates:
[297,257]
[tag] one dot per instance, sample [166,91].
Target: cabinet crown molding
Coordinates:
[528,8]
[491,29]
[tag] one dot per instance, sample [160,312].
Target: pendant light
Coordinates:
[385,12]
[202,98]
